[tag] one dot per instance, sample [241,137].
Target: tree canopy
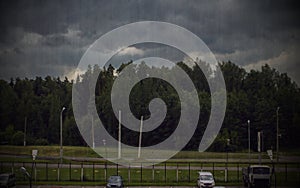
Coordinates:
[253,96]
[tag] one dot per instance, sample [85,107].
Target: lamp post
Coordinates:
[140,138]
[120,136]
[61,145]
[25,130]
[249,140]
[93,133]
[277,135]
[24,171]
[226,170]
[104,143]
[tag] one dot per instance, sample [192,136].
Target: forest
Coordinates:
[256,96]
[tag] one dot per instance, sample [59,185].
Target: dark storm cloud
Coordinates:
[36,35]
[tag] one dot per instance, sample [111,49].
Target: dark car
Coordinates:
[115,181]
[7,180]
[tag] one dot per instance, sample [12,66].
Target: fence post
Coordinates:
[141,172]
[12,167]
[165,172]
[177,172]
[46,171]
[81,174]
[298,173]
[35,177]
[286,172]
[153,173]
[105,171]
[117,169]
[93,171]
[238,172]
[58,173]
[70,171]
[129,173]
[189,172]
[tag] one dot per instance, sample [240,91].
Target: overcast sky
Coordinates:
[40,38]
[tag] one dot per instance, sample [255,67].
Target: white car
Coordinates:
[205,179]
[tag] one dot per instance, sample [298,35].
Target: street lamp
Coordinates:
[61,143]
[120,136]
[24,171]
[25,130]
[140,138]
[104,143]
[226,170]
[277,135]
[249,140]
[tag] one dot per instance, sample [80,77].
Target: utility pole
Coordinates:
[119,143]
[61,142]
[93,134]
[226,168]
[249,141]
[277,136]
[259,145]
[25,130]
[140,138]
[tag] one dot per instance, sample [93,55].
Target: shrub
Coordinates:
[18,138]
[41,142]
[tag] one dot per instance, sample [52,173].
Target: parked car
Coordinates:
[205,179]
[7,180]
[257,176]
[115,181]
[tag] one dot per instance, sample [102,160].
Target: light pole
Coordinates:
[61,143]
[104,143]
[226,170]
[25,130]
[120,136]
[140,138]
[249,141]
[277,135]
[93,134]
[24,171]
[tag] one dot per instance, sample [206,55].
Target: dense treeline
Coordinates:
[255,96]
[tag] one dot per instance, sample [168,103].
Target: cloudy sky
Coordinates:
[40,38]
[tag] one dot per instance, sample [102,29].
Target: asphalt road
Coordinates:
[56,186]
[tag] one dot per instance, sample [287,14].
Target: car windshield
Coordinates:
[114,179]
[206,177]
[261,170]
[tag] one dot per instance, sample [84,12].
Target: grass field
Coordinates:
[74,151]
[16,155]
[135,176]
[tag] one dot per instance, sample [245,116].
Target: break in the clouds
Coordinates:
[39,38]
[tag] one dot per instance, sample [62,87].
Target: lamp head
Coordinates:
[24,171]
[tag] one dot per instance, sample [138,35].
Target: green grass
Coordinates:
[97,175]
[53,151]
[76,151]
[234,177]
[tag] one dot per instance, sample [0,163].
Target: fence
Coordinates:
[168,172]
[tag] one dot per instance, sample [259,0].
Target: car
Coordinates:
[205,179]
[115,181]
[7,180]
[257,176]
